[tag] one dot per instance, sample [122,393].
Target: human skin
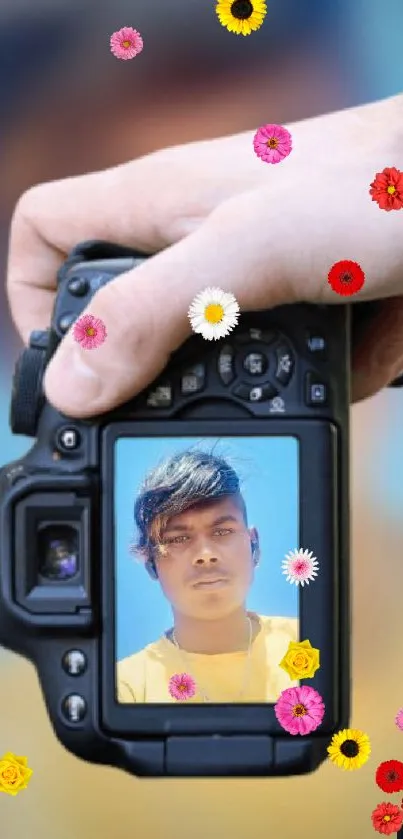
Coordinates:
[268,234]
[204,544]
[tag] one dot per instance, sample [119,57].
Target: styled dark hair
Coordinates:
[180,482]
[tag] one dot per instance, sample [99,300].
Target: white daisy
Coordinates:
[213,313]
[300,567]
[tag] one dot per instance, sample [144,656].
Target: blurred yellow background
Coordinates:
[68,107]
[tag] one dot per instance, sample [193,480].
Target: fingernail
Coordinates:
[71,383]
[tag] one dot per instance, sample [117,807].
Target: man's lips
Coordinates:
[205,582]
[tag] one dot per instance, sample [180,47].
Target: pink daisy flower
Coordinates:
[300,566]
[126,43]
[89,331]
[272,143]
[182,686]
[300,710]
[399,719]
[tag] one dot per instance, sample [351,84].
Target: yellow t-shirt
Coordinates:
[144,676]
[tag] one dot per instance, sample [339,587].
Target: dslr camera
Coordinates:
[196,694]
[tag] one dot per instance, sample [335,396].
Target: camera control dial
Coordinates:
[27,395]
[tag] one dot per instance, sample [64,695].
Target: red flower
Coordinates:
[389,776]
[387,189]
[346,277]
[387,818]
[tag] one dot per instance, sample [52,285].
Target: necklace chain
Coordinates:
[247,666]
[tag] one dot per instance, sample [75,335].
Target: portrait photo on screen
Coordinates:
[203,611]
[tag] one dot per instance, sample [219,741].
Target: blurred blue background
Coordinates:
[270,487]
[68,107]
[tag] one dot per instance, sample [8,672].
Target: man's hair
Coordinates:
[175,485]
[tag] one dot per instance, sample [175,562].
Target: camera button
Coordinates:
[16,473]
[78,286]
[39,339]
[193,380]
[74,663]
[316,344]
[316,392]
[161,396]
[255,363]
[259,393]
[267,336]
[285,364]
[74,708]
[68,440]
[66,321]
[226,364]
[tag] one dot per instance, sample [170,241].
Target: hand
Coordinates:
[269,234]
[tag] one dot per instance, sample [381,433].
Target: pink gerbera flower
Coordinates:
[300,566]
[300,710]
[399,719]
[126,43]
[182,686]
[89,331]
[272,143]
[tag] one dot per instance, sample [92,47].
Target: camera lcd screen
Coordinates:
[203,608]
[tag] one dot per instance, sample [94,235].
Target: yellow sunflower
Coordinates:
[241,16]
[349,748]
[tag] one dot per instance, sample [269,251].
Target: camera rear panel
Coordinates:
[292,361]
[290,364]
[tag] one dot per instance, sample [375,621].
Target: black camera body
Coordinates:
[285,371]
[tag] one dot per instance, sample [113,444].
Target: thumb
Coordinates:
[145,311]
[268,247]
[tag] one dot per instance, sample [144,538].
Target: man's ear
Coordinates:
[151,569]
[255,546]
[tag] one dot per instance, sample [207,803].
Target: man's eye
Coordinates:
[174,540]
[223,531]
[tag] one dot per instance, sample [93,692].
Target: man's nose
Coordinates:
[205,556]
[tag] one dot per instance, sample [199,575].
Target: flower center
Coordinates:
[392,775]
[391,189]
[272,143]
[126,44]
[346,277]
[386,818]
[214,313]
[242,9]
[9,774]
[301,567]
[299,711]
[90,331]
[299,660]
[349,748]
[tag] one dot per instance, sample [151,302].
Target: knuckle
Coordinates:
[28,202]
[26,214]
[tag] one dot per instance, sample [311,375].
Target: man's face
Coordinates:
[206,568]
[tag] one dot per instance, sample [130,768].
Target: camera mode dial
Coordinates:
[27,395]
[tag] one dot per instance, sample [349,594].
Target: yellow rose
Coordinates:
[301,660]
[14,773]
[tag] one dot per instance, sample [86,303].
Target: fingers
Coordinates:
[145,310]
[144,204]
[378,357]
